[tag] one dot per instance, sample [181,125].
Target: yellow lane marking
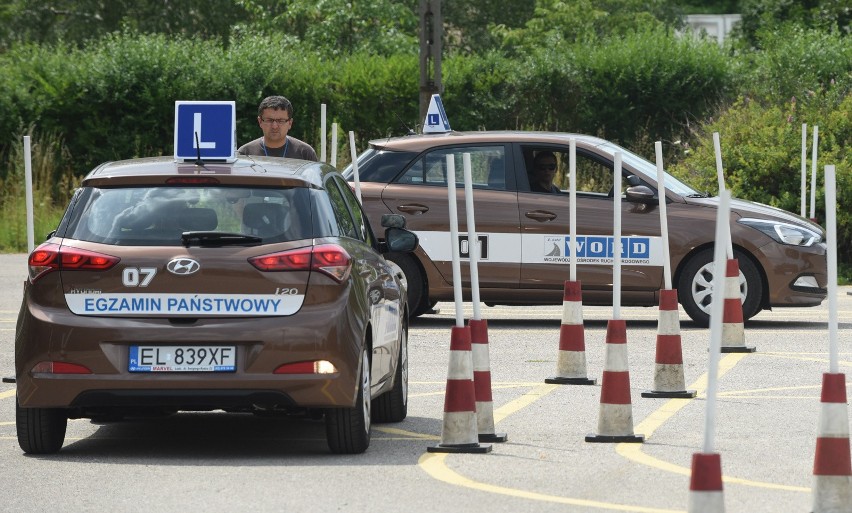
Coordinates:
[434,464]
[7,394]
[664,413]
[7,423]
[793,356]
[407,434]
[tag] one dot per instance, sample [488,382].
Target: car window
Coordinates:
[361,223]
[379,166]
[341,210]
[159,215]
[487,166]
[593,176]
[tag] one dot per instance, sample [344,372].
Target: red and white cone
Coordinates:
[733,330]
[459,432]
[482,382]
[571,362]
[669,381]
[705,484]
[832,490]
[615,423]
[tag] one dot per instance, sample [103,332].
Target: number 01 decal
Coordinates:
[138,277]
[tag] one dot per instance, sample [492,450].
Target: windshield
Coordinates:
[649,169]
[159,215]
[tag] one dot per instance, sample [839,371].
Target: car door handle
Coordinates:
[540,215]
[413,209]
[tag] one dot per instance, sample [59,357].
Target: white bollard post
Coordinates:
[334,145]
[354,152]
[28,184]
[323,135]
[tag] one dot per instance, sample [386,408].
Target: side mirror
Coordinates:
[400,239]
[393,221]
[641,194]
[633,180]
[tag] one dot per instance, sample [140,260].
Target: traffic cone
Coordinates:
[832,491]
[459,431]
[615,423]
[668,370]
[705,484]
[482,382]
[571,362]
[733,331]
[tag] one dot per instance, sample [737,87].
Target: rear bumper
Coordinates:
[262,344]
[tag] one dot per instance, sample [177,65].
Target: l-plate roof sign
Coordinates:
[207,129]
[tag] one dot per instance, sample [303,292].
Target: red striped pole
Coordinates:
[705,484]
[482,382]
[615,422]
[459,430]
[669,381]
[571,361]
[832,490]
[733,329]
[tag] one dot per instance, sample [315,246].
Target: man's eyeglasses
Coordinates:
[546,167]
[270,121]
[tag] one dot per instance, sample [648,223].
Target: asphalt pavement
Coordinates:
[767,418]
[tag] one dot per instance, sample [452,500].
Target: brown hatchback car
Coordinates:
[524,234]
[251,286]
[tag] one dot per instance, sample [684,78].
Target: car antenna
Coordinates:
[198,161]
[404,125]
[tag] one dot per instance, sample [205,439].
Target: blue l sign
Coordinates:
[205,128]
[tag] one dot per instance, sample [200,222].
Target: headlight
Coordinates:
[784,233]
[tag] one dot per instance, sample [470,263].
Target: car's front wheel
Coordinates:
[348,429]
[418,293]
[40,430]
[695,286]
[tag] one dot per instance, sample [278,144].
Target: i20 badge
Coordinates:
[183,266]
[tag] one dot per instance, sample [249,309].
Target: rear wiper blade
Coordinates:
[218,239]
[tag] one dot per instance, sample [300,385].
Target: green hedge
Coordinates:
[115,98]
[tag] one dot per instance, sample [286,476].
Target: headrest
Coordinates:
[264,217]
[197,219]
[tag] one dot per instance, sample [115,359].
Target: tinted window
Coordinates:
[341,211]
[379,166]
[361,223]
[159,215]
[487,167]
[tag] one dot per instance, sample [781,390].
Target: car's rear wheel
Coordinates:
[348,429]
[40,430]
[418,292]
[392,406]
[695,286]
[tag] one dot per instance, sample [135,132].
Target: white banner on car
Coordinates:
[548,248]
[250,305]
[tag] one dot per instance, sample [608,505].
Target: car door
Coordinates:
[383,295]
[545,228]
[421,195]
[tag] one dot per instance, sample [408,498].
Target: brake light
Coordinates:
[329,259]
[60,368]
[50,257]
[317,367]
[192,180]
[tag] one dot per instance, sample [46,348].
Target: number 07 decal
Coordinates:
[130,277]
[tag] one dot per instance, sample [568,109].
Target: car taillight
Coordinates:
[59,368]
[329,259]
[50,257]
[317,367]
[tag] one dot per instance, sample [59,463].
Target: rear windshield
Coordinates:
[146,216]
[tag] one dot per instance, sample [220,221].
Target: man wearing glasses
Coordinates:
[543,171]
[275,117]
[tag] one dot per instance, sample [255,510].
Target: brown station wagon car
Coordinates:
[524,235]
[252,286]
